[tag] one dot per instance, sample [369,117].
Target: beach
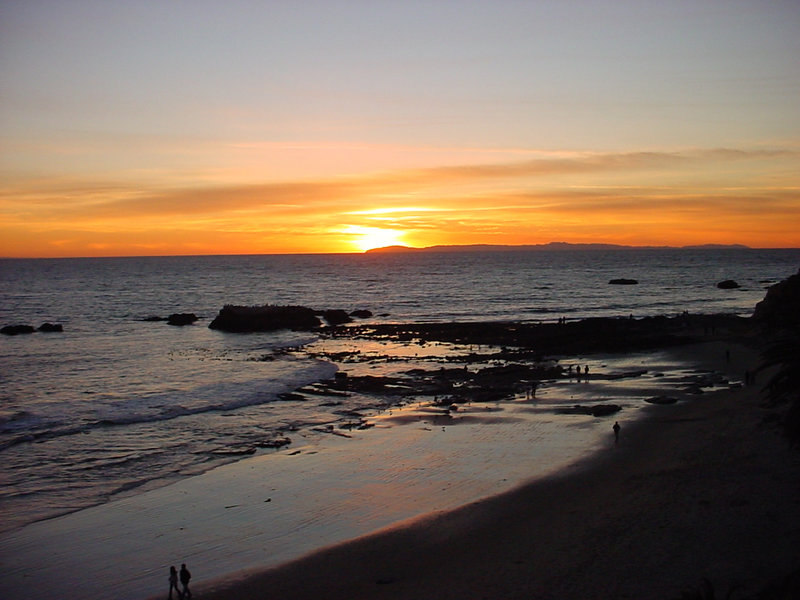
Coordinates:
[444,496]
[700,490]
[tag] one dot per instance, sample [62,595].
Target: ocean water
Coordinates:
[115,404]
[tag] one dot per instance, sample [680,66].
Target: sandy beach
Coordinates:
[428,502]
[703,489]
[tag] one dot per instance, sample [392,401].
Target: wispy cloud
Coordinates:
[645,190]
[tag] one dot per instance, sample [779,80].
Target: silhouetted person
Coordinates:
[173,583]
[616,429]
[185,577]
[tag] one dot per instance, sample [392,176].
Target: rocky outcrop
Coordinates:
[23,329]
[335,316]
[181,319]
[597,410]
[623,281]
[781,305]
[728,284]
[245,319]
[578,337]
[275,443]
[17,329]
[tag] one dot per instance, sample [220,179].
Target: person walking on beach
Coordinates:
[616,429]
[173,583]
[185,577]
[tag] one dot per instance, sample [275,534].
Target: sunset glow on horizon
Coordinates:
[249,128]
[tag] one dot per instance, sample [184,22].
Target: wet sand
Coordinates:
[701,489]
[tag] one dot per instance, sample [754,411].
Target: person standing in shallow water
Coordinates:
[173,583]
[185,577]
[616,429]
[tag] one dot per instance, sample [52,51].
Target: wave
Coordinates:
[240,395]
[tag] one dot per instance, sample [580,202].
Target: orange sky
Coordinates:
[346,126]
[693,197]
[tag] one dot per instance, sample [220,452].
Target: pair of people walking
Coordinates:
[185,576]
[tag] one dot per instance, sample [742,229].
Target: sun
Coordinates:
[367,238]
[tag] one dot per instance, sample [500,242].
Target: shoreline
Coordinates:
[213,515]
[697,490]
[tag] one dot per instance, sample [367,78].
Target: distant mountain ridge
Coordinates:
[549,246]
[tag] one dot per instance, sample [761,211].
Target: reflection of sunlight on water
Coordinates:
[378,348]
[627,380]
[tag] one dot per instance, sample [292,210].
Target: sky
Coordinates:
[248,127]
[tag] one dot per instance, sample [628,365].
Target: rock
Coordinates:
[275,443]
[336,316]
[233,451]
[623,282]
[245,319]
[598,410]
[181,319]
[728,284]
[661,400]
[601,410]
[291,397]
[781,305]
[17,329]
[51,327]
[361,314]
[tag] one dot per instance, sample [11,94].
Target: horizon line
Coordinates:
[399,249]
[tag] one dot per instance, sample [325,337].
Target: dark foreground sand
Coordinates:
[706,489]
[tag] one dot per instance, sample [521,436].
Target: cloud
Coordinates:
[572,192]
[114,200]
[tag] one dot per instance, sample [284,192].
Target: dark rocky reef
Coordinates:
[781,306]
[449,386]
[246,319]
[178,319]
[588,335]
[269,317]
[623,281]
[181,319]
[24,329]
[17,329]
[728,284]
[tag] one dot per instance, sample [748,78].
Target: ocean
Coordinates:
[116,405]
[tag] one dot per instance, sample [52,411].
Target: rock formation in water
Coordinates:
[244,319]
[181,319]
[17,329]
[728,284]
